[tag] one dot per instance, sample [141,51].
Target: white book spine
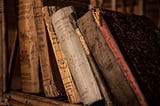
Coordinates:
[76,57]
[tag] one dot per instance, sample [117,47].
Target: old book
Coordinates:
[3,69]
[28,47]
[138,39]
[75,55]
[3,51]
[106,61]
[49,85]
[101,83]
[68,82]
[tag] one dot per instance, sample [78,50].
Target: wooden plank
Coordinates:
[75,55]
[49,85]
[68,82]
[29,65]
[32,100]
[106,61]
[15,103]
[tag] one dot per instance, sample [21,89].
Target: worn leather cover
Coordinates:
[49,86]
[107,63]
[139,41]
[28,47]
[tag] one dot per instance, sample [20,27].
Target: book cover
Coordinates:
[3,69]
[106,61]
[28,47]
[138,40]
[49,85]
[68,82]
[76,57]
[108,100]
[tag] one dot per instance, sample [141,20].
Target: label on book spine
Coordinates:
[75,55]
[49,86]
[28,47]
[68,82]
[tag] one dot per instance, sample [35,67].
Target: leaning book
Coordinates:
[75,55]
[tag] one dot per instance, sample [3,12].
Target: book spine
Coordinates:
[106,61]
[68,82]
[102,86]
[75,55]
[3,51]
[49,86]
[28,47]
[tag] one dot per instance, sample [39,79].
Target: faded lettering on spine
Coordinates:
[28,47]
[68,82]
[49,86]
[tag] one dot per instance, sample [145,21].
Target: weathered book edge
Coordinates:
[28,47]
[77,60]
[68,82]
[49,85]
[120,59]
[3,68]
[102,86]
[107,64]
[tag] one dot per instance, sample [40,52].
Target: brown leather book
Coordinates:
[138,40]
[68,82]
[28,47]
[120,88]
[49,85]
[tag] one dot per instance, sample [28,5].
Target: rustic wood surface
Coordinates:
[32,100]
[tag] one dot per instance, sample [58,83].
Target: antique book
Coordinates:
[138,39]
[49,85]
[3,69]
[107,63]
[100,81]
[76,57]
[68,82]
[28,47]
